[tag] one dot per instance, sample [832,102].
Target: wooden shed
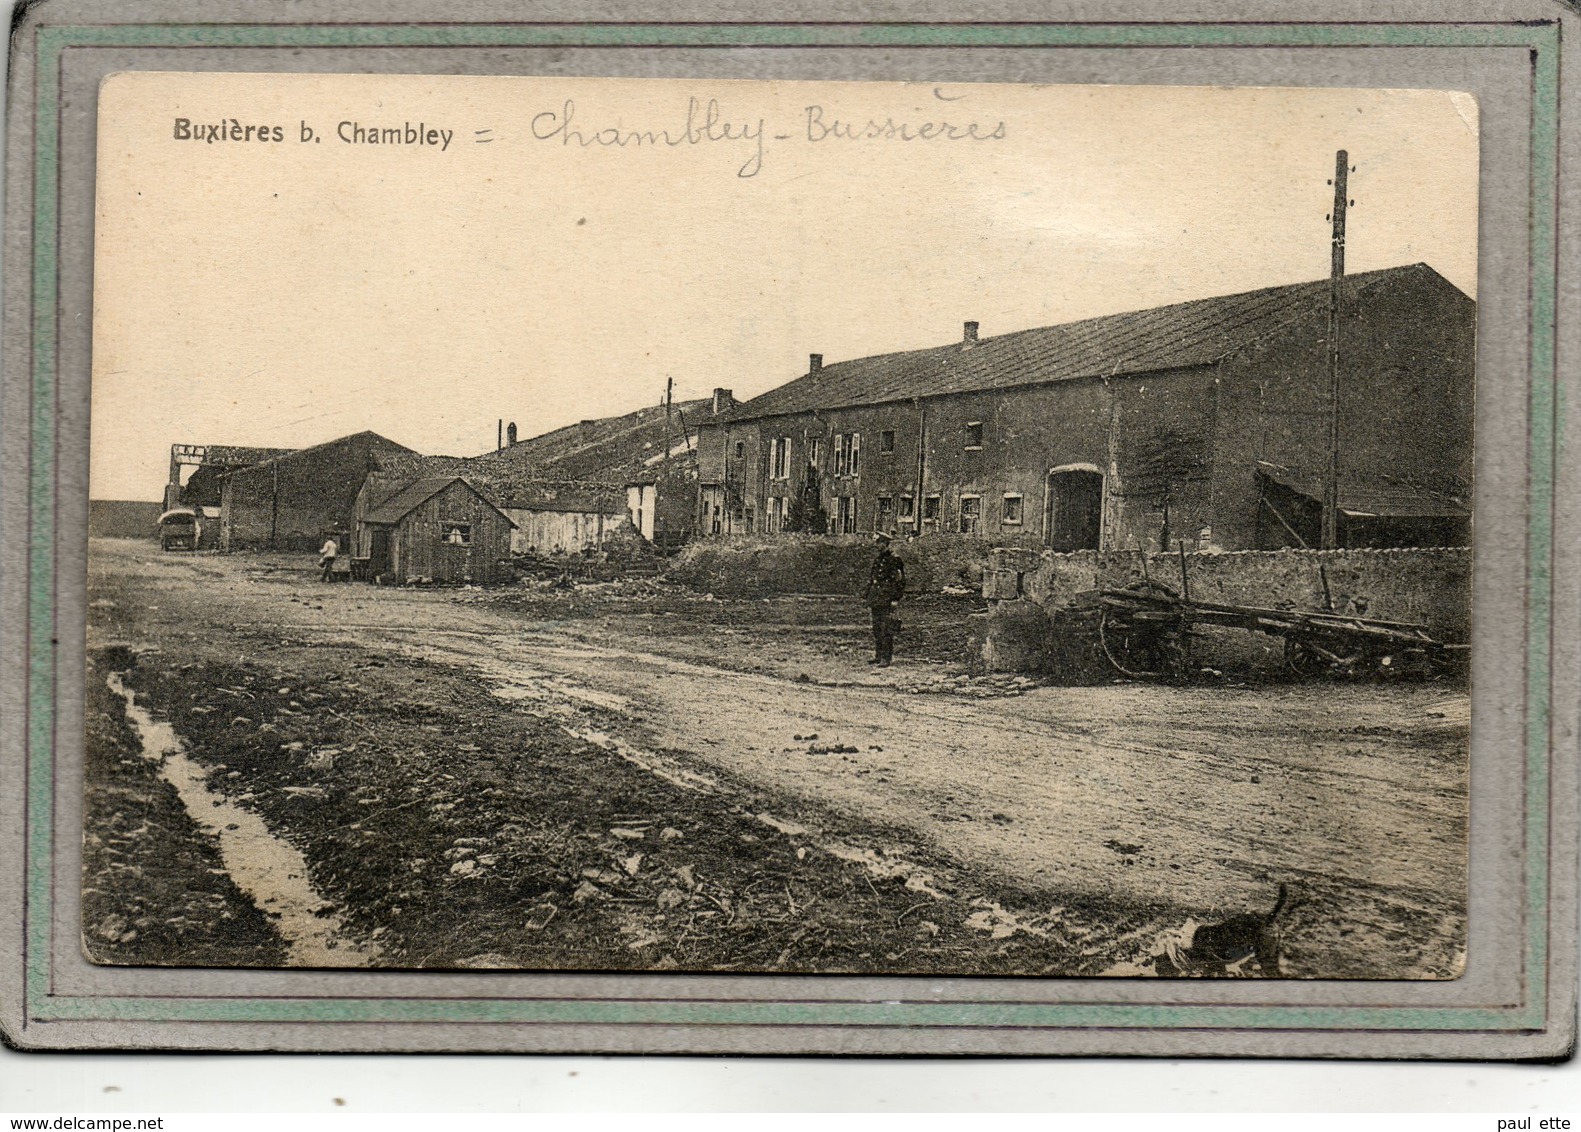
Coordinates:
[434,528]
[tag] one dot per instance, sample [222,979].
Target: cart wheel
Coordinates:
[1121,647]
[1311,660]
[1148,653]
[1301,660]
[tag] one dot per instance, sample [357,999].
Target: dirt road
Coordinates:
[1039,806]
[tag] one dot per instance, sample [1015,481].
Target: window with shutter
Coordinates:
[971,513]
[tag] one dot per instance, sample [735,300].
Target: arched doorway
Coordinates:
[1074,516]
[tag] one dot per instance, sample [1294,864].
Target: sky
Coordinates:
[566,246]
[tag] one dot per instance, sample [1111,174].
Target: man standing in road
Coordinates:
[886,583]
[326,557]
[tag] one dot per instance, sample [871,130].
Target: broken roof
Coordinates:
[240,455]
[407,466]
[387,447]
[562,495]
[1181,335]
[1394,497]
[613,450]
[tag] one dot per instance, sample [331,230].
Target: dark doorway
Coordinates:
[379,551]
[1075,513]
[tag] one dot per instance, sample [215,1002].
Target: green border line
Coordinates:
[1542,454]
[830,34]
[1542,39]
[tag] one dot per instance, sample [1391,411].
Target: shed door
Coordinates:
[379,551]
[1075,517]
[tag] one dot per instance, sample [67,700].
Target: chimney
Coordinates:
[969,336]
[722,400]
[814,363]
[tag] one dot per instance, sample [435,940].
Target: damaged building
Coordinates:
[288,501]
[197,481]
[559,516]
[1204,423]
[649,457]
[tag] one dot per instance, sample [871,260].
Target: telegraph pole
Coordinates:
[669,399]
[1330,536]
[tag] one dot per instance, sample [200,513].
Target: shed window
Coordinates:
[741,449]
[456,534]
[884,516]
[908,509]
[930,509]
[974,434]
[886,442]
[971,513]
[1012,509]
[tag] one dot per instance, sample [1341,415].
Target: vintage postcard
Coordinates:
[601,525]
[788,535]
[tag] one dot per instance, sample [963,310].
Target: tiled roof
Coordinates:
[1172,337]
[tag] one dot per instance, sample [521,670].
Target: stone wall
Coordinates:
[1040,602]
[754,565]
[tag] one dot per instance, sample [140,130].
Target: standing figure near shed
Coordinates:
[326,557]
[886,584]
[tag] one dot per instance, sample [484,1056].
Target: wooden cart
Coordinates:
[1145,631]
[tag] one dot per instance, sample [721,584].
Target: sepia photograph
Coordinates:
[654,525]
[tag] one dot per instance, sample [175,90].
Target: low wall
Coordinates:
[123,518]
[1052,595]
[753,565]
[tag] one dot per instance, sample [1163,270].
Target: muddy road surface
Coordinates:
[641,776]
